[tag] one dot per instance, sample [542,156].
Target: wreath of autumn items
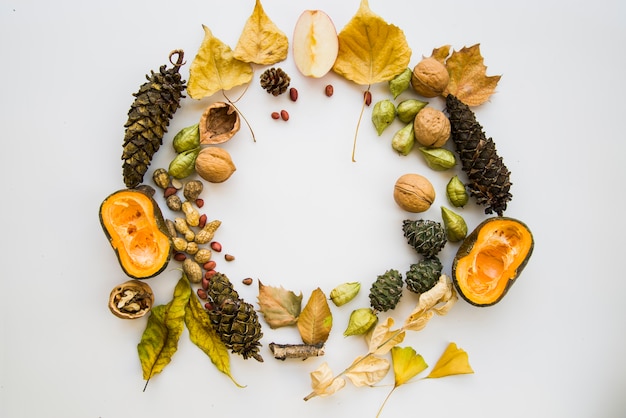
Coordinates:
[488,261]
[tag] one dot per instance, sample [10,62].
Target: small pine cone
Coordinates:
[488,177]
[425,236]
[155,103]
[386,291]
[275,81]
[221,290]
[423,275]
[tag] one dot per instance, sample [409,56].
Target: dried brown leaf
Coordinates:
[280,307]
[468,76]
[315,320]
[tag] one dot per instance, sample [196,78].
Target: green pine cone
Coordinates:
[423,275]
[425,236]
[386,291]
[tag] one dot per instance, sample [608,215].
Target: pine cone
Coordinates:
[275,81]
[425,236]
[423,275]
[488,177]
[155,104]
[386,291]
[235,321]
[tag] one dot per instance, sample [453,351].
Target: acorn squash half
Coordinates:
[490,259]
[134,225]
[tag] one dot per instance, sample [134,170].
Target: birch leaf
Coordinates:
[202,334]
[261,41]
[215,68]
[406,364]
[468,76]
[382,338]
[367,370]
[370,49]
[159,341]
[453,361]
[279,307]
[323,382]
[316,320]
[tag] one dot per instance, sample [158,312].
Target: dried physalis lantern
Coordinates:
[130,300]
[219,122]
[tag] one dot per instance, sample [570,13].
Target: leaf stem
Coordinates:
[380,410]
[356,133]
[240,114]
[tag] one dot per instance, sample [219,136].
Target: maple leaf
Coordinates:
[261,41]
[315,320]
[280,307]
[215,68]
[468,76]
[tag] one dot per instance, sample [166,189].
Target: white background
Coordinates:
[298,213]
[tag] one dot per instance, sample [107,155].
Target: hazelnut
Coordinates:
[219,123]
[414,193]
[431,127]
[430,78]
[214,165]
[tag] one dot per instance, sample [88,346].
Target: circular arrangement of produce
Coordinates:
[157,221]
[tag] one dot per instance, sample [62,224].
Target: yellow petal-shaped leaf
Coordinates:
[367,370]
[370,49]
[261,41]
[406,364]
[382,338]
[215,68]
[280,307]
[468,76]
[323,382]
[315,320]
[453,361]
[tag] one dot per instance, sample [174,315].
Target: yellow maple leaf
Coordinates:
[214,68]
[468,76]
[370,49]
[261,41]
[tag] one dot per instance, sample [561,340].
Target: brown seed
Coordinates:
[205,283]
[329,90]
[275,115]
[293,94]
[208,306]
[247,281]
[202,294]
[199,202]
[216,246]
[180,256]
[284,115]
[367,95]
[209,274]
[169,191]
[202,221]
[229,257]
[209,265]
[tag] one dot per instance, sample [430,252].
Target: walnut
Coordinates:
[430,78]
[214,165]
[414,193]
[431,127]
[131,299]
[219,123]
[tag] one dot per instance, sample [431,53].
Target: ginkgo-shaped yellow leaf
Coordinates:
[367,370]
[406,364]
[468,76]
[370,49]
[261,41]
[453,361]
[280,307]
[315,320]
[215,68]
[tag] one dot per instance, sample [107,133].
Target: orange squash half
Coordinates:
[490,259]
[134,225]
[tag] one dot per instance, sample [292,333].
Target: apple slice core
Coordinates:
[315,43]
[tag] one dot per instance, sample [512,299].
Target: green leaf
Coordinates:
[159,341]
[203,335]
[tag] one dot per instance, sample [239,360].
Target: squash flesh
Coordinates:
[486,272]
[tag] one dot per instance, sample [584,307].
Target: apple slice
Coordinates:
[315,43]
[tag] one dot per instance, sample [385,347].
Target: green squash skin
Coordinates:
[160,222]
[468,244]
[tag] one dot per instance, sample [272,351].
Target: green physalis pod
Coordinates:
[184,164]
[439,159]
[344,293]
[383,114]
[404,139]
[407,109]
[187,139]
[361,321]
[457,195]
[456,228]
[400,83]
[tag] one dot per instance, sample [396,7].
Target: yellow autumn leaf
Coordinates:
[315,320]
[441,53]
[468,76]
[406,364]
[215,68]
[367,370]
[370,49]
[261,41]
[382,338]
[323,383]
[453,361]
[439,299]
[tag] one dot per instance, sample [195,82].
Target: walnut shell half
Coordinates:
[219,123]
[130,300]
